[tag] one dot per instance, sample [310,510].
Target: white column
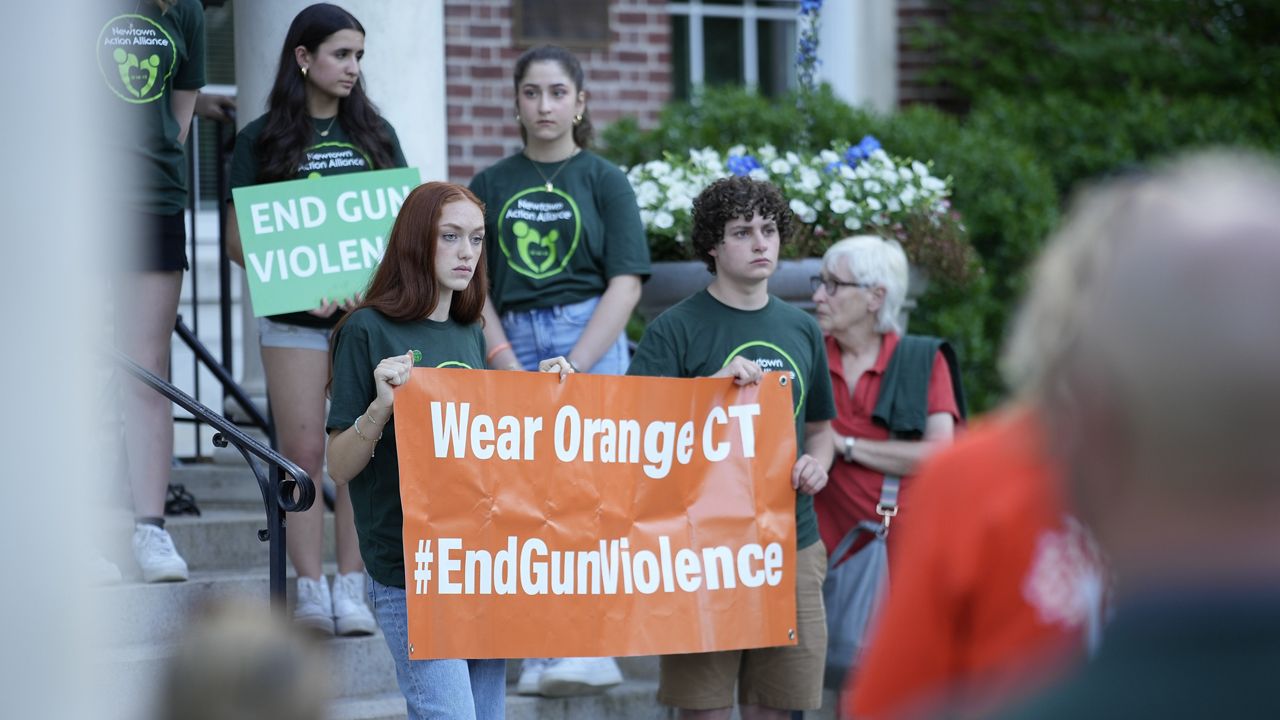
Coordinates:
[858,46]
[404,76]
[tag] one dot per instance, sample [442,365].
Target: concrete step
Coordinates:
[220,485]
[388,706]
[218,539]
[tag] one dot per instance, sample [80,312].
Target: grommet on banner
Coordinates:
[410,648]
[791,633]
[783,379]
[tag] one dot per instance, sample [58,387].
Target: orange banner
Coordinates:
[602,516]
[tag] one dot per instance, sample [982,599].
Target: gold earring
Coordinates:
[304,72]
[577,119]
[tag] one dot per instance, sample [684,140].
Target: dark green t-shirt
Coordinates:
[334,154]
[553,248]
[700,335]
[143,56]
[366,338]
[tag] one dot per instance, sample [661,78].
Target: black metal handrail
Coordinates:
[284,485]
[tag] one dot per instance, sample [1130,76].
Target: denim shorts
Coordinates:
[544,333]
[444,689]
[283,335]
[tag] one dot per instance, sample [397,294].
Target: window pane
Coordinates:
[777,65]
[680,56]
[722,38]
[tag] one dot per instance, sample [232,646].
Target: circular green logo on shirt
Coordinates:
[136,56]
[771,357]
[538,231]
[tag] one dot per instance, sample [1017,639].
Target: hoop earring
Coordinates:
[577,119]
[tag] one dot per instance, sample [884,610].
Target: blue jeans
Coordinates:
[444,689]
[543,333]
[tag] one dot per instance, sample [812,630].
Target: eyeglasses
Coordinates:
[831,285]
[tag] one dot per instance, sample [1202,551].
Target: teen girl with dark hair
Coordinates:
[567,254]
[318,122]
[426,295]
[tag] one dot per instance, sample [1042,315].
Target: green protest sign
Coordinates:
[322,237]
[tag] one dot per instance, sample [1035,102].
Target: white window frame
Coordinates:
[749,13]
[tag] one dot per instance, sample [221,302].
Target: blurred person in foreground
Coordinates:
[1166,425]
[242,662]
[997,587]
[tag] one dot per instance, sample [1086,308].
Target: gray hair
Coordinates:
[1179,349]
[875,261]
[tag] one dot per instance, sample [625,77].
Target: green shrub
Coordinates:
[1079,139]
[1006,198]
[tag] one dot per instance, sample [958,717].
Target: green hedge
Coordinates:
[1007,199]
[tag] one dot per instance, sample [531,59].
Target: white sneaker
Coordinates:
[351,615]
[156,556]
[314,609]
[567,677]
[530,673]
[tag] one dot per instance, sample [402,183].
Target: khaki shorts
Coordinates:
[782,678]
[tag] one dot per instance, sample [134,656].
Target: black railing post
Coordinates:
[285,487]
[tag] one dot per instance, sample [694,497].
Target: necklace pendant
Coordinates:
[324,133]
[548,186]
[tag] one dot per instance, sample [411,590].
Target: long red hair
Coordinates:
[404,287]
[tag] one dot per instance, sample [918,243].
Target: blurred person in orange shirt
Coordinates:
[995,584]
[1165,423]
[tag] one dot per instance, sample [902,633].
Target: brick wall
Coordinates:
[632,76]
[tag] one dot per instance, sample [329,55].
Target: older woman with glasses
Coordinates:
[897,397]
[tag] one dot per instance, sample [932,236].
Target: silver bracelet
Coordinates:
[362,435]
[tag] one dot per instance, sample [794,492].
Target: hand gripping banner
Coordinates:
[599,516]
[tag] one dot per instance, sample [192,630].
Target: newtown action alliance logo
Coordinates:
[538,231]
[770,358]
[136,56]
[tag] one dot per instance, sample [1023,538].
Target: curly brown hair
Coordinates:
[735,198]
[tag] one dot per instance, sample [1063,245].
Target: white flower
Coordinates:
[828,157]
[894,205]
[792,158]
[852,223]
[809,179]
[767,153]
[758,174]
[840,206]
[803,211]
[847,172]
[872,186]
[874,204]
[664,220]
[908,196]
[835,192]
[738,149]
[646,217]
[933,183]
[920,168]
[780,166]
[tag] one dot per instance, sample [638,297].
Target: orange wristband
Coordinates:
[494,352]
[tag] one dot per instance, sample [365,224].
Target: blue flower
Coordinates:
[808,7]
[868,145]
[832,166]
[742,164]
[854,155]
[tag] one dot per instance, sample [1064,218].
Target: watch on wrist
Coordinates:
[849,441]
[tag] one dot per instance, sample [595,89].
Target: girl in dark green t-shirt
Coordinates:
[567,254]
[317,106]
[422,309]
[150,56]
